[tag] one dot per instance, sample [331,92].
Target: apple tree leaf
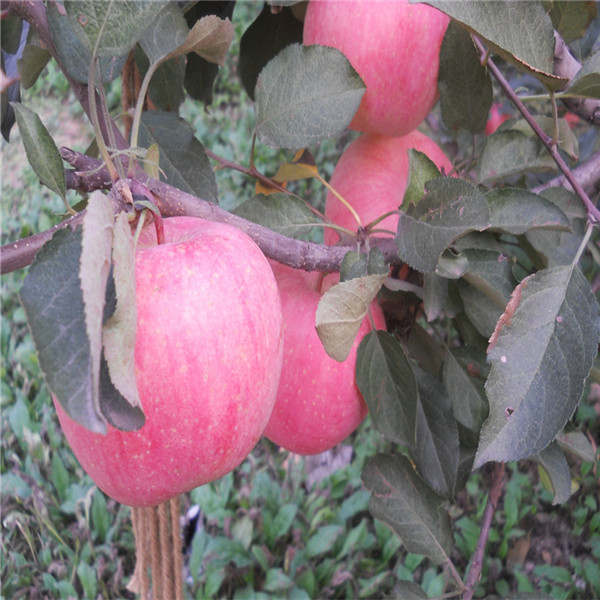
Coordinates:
[301,167]
[42,153]
[554,472]
[586,84]
[32,63]
[114,26]
[541,353]
[464,83]
[571,17]
[577,444]
[73,52]
[95,264]
[450,208]
[166,33]
[53,302]
[481,310]
[120,330]
[266,36]
[421,170]
[516,211]
[305,95]
[402,500]
[341,311]
[182,156]
[280,212]
[520,32]
[388,384]
[436,451]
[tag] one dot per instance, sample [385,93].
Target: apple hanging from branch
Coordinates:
[208,357]
[318,403]
[394,46]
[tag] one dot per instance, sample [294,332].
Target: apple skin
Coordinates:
[394,46]
[318,404]
[372,175]
[495,119]
[208,356]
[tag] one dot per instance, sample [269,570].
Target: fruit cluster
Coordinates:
[226,348]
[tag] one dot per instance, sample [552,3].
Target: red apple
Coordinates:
[394,46]
[371,175]
[208,357]
[495,119]
[318,403]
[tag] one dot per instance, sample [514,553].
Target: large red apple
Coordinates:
[318,403]
[394,46]
[372,175]
[208,357]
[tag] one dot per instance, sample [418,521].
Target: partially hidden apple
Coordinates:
[372,175]
[394,46]
[208,357]
[318,403]
[495,119]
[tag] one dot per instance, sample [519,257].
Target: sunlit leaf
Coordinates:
[402,500]
[305,95]
[341,311]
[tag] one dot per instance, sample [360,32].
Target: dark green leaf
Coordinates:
[520,32]
[421,170]
[436,450]
[571,17]
[577,444]
[481,310]
[199,78]
[305,95]
[558,247]
[552,460]
[435,293]
[115,27]
[42,153]
[10,36]
[32,63]
[402,500]
[516,211]
[491,273]
[388,384]
[166,85]
[280,212]
[354,265]
[182,156]
[53,302]
[450,208]
[73,53]
[464,83]
[586,84]
[465,372]
[541,354]
[267,35]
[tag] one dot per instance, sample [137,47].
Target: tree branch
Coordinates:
[593,212]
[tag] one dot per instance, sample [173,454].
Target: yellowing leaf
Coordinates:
[341,311]
[302,167]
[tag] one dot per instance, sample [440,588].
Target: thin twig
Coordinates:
[474,575]
[593,212]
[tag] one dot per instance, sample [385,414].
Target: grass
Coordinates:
[265,530]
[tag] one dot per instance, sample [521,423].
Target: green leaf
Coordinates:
[167,32]
[520,32]
[516,211]
[305,95]
[586,84]
[553,464]
[120,330]
[182,156]
[479,308]
[280,212]
[73,52]
[95,263]
[577,444]
[571,17]
[436,452]
[115,25]
[421,170]
[560,248]
[541,353]
[53,302]
[323,540]
[210,38]
[42,153]
[465,372]
[435,294]
[450,208]
[32,63]
[267,35]
[388,384]
[409,590]
[402,500]
[341,311]
[464,83]
[277,581]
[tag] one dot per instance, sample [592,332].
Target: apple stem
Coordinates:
[159,226]
[341,199]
